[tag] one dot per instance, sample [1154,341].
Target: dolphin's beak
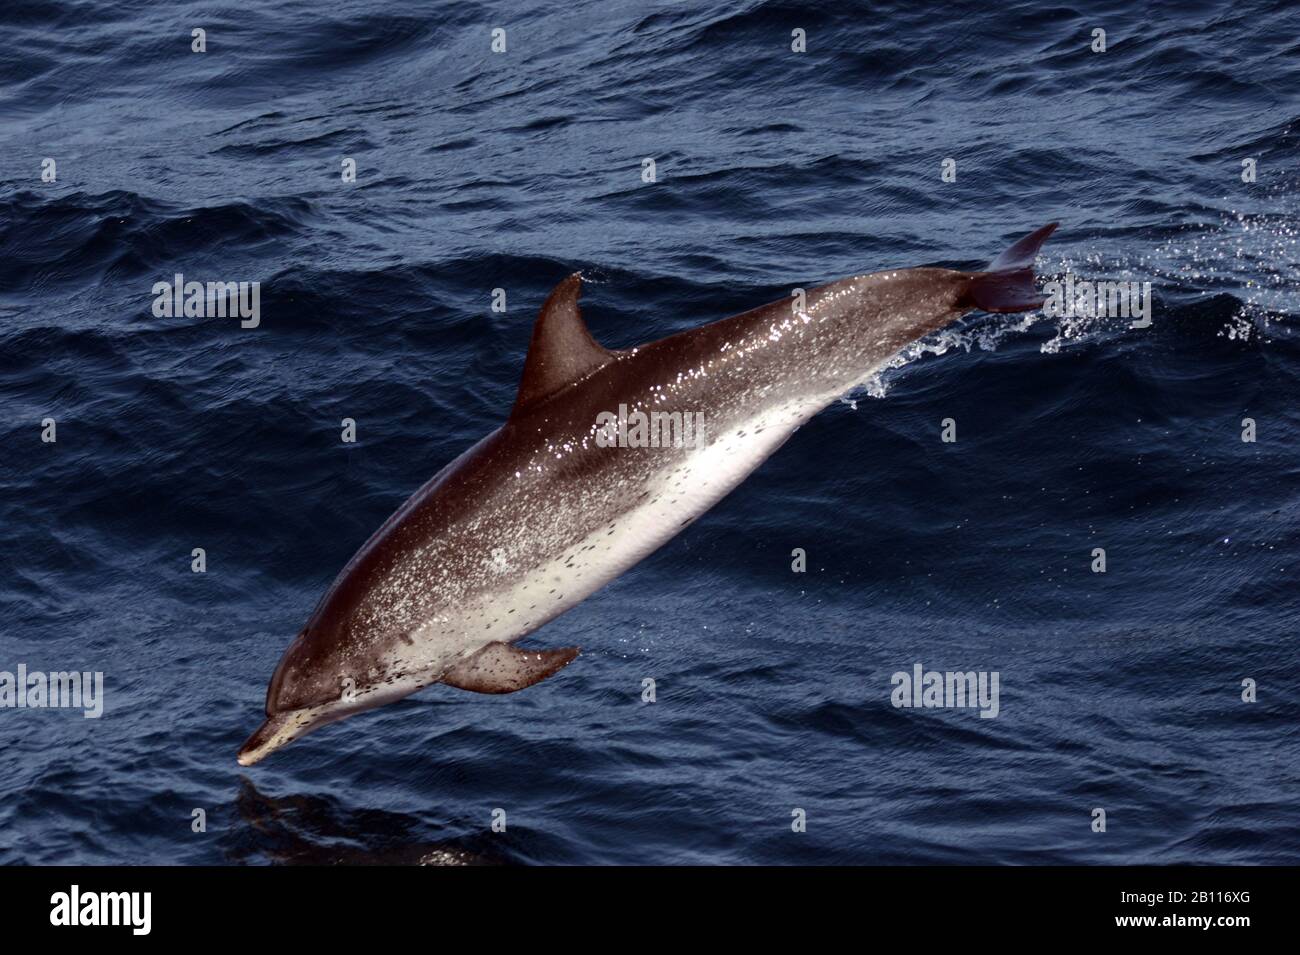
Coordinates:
[275,732]
[281,729]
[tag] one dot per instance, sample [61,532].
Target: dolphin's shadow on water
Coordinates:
[317,830]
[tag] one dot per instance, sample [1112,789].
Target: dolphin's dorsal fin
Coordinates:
[562,350]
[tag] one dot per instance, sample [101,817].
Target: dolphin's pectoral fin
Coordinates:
[501,668]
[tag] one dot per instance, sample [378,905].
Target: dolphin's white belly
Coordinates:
[678,494]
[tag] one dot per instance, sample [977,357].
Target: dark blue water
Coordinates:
[478,170]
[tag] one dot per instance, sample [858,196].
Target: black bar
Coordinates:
[330,904]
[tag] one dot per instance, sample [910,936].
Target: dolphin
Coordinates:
[600,462]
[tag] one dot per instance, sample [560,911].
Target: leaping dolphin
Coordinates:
[559,500]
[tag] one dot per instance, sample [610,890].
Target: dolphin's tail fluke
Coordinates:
[1007,285]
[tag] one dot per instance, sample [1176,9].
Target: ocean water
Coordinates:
[479,170]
